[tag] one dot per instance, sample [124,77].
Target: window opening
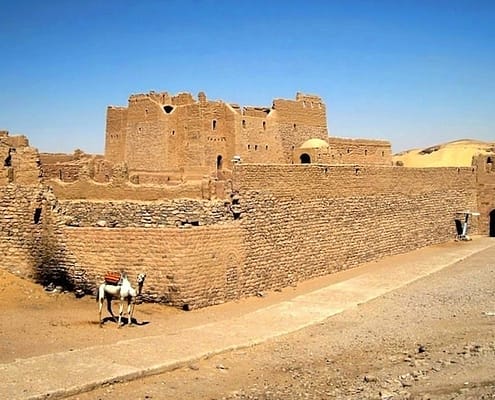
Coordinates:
[168,108]
[37,215]
[214,124]
[305,158]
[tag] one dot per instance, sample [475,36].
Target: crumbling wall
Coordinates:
[163,132]
[115,138]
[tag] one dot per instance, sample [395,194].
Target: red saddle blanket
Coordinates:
[112,278]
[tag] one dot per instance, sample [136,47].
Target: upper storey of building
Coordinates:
[159,133]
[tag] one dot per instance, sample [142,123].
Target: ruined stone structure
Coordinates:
[163,138]
[328,204]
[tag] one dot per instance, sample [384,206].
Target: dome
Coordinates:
[314,144]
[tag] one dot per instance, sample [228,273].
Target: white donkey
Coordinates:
[124,292]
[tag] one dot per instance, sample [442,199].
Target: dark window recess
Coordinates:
[168,109]
[8,161]
[37,215]
[305,158]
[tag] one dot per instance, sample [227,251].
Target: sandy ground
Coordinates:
[429,340]
[453,154]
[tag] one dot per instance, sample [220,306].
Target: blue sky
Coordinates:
[416,73]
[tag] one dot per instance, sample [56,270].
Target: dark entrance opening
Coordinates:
[219,162]
[305,158]
[492,223]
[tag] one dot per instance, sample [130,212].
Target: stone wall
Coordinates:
[157,133]
[85,213]
[186,268]
[485,167]
[296,222]
[305,221]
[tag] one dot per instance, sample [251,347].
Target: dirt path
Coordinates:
[427,340]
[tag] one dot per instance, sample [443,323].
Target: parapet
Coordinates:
[13,141]
[164,98]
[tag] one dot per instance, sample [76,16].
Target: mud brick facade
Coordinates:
[300,204]
[163,137]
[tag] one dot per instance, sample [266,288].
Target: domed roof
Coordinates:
[314,144]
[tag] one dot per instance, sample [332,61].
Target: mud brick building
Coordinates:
[216,202]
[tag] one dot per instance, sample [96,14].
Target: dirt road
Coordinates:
[432,339]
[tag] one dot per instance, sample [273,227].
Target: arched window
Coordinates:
[305,158]
[214,124]
[219,162]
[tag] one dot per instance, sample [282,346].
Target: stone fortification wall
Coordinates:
[89,189]
[122,214]
[20,232]
[185,267]
[297,222]
[157,133]
[32,243]
[20,162]
[485,167]
[305,221]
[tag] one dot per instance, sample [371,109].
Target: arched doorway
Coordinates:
[219,162]
[305,158]
[492,223]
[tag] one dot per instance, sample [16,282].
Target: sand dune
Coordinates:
[458,153]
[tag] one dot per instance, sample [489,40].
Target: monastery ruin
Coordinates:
[216,202]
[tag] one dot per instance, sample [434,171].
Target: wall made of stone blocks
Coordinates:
[89,189]
[120,214]
[304,222]
[24,226]
[186,268]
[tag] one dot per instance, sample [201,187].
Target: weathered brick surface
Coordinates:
[143,214]
[297,222]
[158,135]
[185,267]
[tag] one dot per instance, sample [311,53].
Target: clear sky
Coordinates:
[417,72]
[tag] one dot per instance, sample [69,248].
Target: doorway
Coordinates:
[492,223]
